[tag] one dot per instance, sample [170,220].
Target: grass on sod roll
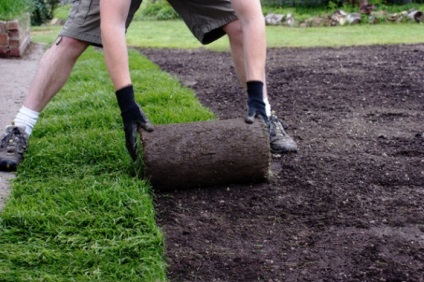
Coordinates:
[77,212]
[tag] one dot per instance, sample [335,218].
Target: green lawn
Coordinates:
[77,210]
[174,34]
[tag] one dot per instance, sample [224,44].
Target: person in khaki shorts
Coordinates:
[103,23]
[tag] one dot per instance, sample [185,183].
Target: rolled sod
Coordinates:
[202,154]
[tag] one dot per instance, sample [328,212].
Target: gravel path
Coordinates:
[15,78]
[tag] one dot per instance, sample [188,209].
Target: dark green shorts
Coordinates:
[203,17]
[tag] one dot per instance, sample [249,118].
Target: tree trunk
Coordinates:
[202,154]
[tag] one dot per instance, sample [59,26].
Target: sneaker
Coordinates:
[12,148]
[280,141]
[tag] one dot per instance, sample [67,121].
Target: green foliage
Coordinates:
[333,4]
[62,11]
[10,9]
[40,13]
[157,10]
[77,211]
[43,11]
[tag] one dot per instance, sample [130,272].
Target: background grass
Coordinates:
[174,34]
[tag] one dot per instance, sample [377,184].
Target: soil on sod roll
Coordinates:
[209,153]
[348,207]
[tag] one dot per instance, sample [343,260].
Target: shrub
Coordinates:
[157,10]
[9,9]
[43,11]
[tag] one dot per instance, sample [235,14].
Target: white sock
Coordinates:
[26,118]
[267,107]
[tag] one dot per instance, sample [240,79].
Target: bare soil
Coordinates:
[348,207]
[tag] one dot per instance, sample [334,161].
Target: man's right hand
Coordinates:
[134,118]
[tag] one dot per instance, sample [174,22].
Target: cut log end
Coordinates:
[202,154]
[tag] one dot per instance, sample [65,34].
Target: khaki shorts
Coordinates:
[203,17]
[84,21]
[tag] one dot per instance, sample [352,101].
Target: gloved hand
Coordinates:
[256,108]
[255,103]
[133,117]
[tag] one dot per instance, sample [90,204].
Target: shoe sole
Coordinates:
[7,166]
[283,151]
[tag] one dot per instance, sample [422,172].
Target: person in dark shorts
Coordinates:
[103,23]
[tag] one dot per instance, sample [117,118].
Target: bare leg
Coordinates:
[235,36]
[254,37]
[114,15]
[280,141]
[53,71]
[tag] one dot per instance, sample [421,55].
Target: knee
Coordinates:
[73,47]
[234,31]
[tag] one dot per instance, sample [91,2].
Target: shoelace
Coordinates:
[283,124]
[5,141]
[278,123]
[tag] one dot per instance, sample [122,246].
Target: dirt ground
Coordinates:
[348,207]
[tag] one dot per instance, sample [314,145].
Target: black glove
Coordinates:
[255,103]
[133,117]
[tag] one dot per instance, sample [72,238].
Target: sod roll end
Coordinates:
[202,154]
